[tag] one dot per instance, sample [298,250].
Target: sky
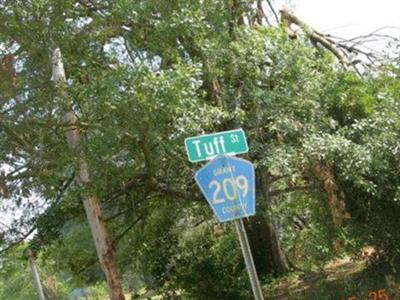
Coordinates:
[350,18]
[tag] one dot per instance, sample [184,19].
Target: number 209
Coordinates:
[231,188]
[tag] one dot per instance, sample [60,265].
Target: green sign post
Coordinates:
[204,147]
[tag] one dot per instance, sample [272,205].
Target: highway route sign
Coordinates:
[228,185]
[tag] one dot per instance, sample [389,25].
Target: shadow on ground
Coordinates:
[340,280]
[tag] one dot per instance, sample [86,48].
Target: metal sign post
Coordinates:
[248,259]
[35,274]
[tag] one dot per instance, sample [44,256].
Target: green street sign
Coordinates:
[204,147]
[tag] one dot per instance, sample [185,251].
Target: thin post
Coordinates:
[35,274]
[248,259]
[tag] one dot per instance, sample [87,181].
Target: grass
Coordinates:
[339,280]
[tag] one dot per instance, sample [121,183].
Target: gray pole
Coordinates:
[248,258]
[35,274]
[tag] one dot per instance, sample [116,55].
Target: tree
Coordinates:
[144,75]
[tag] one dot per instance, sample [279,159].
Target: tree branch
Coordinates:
[273,11]
[114,242]
[179,194]
[138,181]
[279,177]
[288,19]
[64,187]
[20,240]
[289,190]
[123,233]
[260,14]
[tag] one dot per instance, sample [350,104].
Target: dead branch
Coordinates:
[271,7]
[261,15]
[287,19]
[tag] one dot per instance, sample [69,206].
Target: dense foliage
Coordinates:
[143,76]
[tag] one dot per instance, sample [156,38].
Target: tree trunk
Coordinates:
[263,235]
[336,197]
[91,203]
